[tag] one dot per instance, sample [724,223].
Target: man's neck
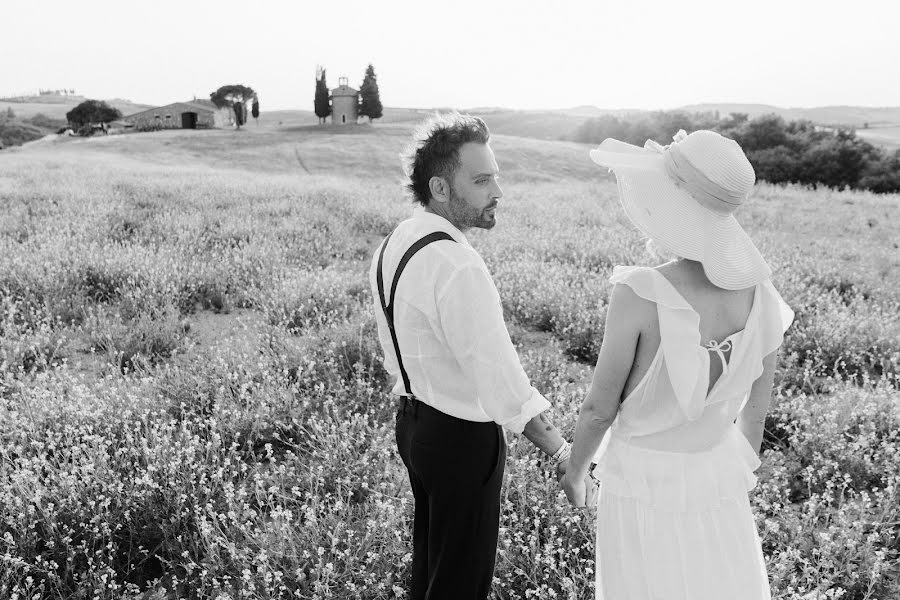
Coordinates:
[431,210]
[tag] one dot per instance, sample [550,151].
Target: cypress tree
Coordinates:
[369,99]
[322,105]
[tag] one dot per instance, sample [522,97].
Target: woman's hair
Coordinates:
[434,151]
[658,252]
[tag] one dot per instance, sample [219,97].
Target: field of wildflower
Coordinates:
[192,402]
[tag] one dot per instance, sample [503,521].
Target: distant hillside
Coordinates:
[883,123]
[44,99]
[556,124]
[560,124]
[848,116]
[56,106]
[877,125]
[888,137]
[542,125]
[532,124]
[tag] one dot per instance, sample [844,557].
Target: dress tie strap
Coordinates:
[720,349]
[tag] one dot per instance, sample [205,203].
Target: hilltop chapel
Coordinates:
[344,103]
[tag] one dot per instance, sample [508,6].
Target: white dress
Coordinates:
[674,519]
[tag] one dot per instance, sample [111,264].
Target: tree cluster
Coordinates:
[236,97]
[780,151]
[92,111]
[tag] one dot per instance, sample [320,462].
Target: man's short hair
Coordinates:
[434,151]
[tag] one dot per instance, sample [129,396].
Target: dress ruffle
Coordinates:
[679,330]
[770,318]
[774,318]
[679,481]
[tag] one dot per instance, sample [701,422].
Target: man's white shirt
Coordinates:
[449,324]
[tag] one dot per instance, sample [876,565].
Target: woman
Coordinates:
[682,383]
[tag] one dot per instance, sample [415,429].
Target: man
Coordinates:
[458,376]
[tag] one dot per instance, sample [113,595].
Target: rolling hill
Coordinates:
[878,125]
[188,331]
[847,116]
[56,106]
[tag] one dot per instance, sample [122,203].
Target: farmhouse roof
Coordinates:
[205,106]
[202,102]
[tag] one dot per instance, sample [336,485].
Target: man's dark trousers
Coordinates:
[456,470]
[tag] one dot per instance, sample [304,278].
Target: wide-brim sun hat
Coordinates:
[683,196]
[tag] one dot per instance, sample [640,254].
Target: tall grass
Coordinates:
[148,449]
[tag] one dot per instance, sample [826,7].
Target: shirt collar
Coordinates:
[438,222]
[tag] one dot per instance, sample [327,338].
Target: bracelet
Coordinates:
[564,452]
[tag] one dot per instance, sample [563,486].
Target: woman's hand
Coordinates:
[581,491]
[575,489]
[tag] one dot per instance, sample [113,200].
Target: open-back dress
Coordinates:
[674,519]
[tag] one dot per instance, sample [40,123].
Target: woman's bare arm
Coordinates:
[752,419]
[600,407]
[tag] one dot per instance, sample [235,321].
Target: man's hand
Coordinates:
[561,469]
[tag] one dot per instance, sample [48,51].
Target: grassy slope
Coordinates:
[888,136]
[847,228]
[560,124]
[198,224]
[58,110]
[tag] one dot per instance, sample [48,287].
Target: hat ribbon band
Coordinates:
[708,193]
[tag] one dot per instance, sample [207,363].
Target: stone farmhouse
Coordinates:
[194,114]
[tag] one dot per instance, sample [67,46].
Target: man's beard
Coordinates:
[466,216]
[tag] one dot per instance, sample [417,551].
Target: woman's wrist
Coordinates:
[578,471]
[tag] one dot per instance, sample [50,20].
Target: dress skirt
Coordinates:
[678,525]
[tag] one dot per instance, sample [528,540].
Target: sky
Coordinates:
[637,54]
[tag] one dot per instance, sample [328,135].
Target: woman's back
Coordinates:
[722,313]
[699,352]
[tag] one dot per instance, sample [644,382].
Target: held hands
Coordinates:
[581,492]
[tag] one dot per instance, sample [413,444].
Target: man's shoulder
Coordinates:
[408,232]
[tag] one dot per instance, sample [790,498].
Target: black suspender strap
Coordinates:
[388,307]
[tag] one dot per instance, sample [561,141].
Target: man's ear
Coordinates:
[439,188]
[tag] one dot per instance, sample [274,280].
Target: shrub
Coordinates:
[777,164]
[45,122]
[28,342]
[882,176]
[16,133]
[796,151]
[133,340]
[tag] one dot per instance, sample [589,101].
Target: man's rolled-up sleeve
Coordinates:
[472,320]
